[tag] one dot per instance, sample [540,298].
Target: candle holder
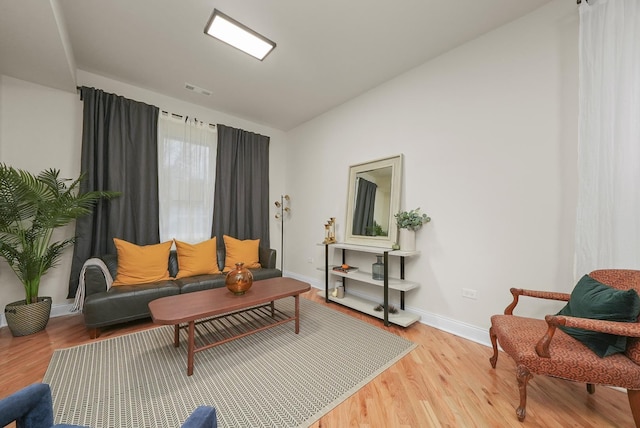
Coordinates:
[330,231]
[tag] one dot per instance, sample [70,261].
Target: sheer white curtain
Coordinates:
[608,217]
[186,178]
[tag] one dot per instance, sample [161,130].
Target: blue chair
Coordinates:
[32,407]
[202,417]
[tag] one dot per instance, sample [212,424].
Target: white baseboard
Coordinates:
[58,310]
[458,328]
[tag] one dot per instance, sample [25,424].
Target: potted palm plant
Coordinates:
[408,222]
[31,208]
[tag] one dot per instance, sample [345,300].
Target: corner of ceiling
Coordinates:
[64,40]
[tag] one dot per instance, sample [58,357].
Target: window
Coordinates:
[186,178]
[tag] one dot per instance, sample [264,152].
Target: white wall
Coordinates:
[489,137]
[41,128]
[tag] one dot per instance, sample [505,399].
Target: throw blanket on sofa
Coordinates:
[79,301]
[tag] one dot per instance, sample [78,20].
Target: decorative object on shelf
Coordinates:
[338,290]
[330,231]
[408,222]
[377,269]
[395,246]
[392,309]
[283,208]
[33,206]
[407,240]
[239,280]
[345,268]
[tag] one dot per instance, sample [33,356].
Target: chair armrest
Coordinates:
[629,329]
[29,407]
[202,417]
[549,295]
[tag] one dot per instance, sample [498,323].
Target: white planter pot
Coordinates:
[407,240]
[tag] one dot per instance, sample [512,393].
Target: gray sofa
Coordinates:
[130,302]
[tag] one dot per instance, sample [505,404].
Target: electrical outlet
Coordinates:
[469,293]
[309,259]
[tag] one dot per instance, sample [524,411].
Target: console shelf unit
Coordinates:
[360,304]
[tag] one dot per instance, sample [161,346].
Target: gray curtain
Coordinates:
[119,153]
[241,201]
[363,212]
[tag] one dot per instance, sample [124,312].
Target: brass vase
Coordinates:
[239,280]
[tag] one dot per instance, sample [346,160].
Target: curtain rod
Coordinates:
[179,116]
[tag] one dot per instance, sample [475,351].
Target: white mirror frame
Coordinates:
[395,162]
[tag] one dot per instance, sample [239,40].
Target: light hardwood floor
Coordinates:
[446,381]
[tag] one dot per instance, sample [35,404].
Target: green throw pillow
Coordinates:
[595,300]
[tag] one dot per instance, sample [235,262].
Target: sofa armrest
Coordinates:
[267,258]
[94,281]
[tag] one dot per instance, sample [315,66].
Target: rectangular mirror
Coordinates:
[373,199]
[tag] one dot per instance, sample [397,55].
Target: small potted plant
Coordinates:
[31,208]
[408,222]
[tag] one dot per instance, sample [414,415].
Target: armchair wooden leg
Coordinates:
[591,388]
[494,341]
[634,403]
[523,375]
[94,333]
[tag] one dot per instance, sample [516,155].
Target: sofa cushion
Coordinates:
[241,251]
[262,273]
[197,259]
[570,358]
[124,303]
[141,264]
[594,300]
[200,282]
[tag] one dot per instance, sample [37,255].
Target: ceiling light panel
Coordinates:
[230,31]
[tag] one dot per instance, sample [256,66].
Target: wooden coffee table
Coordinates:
[219,306]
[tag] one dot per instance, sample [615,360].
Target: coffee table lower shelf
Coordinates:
[189,309]
[360,304]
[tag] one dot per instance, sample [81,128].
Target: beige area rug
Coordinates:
[273,378]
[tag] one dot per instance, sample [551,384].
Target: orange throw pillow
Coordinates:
[197,259]
[141,264]
[237,251]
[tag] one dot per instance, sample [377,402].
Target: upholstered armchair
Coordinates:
[544,347]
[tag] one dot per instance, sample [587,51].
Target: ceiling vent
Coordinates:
[197,89]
